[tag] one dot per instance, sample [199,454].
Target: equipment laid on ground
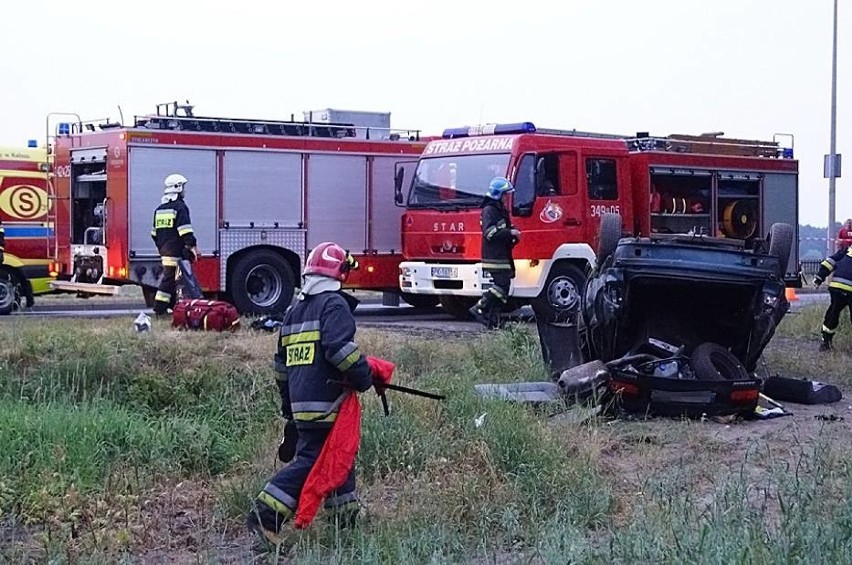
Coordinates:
[195,314]
[801,391]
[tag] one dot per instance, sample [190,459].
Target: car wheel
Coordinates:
[713,362]
[261,282]
[10,293]
[458,306]
[610,233]
[780,244]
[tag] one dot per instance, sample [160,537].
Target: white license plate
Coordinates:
[445,272]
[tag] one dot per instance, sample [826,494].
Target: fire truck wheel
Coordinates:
[563,289]
[423,301]
[458,306]
[780,243]
[261,282]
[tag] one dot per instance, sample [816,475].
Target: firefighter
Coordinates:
[498,239]
[175,240]
[839,266]
[316,350]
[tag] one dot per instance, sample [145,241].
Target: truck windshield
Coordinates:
[458,180]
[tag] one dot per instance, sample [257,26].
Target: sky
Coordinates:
[749,68]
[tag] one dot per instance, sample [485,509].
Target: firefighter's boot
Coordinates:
[826,342]
[265,538]
[485,311]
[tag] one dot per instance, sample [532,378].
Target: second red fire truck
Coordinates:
[261,193]
[564,182]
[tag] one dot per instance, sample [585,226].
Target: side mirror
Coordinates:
[538,179]
[397,185]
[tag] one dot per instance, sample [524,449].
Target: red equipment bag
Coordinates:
[197,314]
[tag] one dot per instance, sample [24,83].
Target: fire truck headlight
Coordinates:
[405,271]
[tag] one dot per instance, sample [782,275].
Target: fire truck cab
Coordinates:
[564,182]
[261,194]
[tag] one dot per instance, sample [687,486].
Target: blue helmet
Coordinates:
[498,187]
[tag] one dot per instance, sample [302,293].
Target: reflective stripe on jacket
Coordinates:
[839,266]
[316,345]
[172,231]
[497,240]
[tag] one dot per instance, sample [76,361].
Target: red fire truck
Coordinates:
[564,182]
[24,207]
[261,194]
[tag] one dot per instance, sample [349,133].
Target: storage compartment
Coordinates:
[738,205]
[680,201]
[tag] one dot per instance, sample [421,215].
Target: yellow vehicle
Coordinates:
[27,213]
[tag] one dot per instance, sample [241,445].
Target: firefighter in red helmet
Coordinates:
[844,235]
[316,351]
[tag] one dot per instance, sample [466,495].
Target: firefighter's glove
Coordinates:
[381,371]
[516,235]
[287,449]
[817,282]
[378,381]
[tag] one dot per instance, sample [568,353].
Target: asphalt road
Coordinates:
[370,312]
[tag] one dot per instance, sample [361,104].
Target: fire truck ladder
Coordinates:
[52,247]
[168,118]
[707,144]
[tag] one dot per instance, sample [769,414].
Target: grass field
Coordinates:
[119,446]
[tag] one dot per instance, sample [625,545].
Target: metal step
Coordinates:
[85,288]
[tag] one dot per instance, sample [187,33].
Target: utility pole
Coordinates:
[832,162]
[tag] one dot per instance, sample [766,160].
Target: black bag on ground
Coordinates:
[801,391]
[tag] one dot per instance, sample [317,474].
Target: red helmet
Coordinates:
[329,260]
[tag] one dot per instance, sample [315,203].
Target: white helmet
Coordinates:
[174,184]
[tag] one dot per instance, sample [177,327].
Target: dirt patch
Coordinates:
[634,452]
[174,523]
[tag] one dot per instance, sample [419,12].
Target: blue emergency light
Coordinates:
[64,128]
[489,129]
[787,153]
[32,143]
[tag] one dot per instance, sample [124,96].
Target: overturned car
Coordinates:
[676,324]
